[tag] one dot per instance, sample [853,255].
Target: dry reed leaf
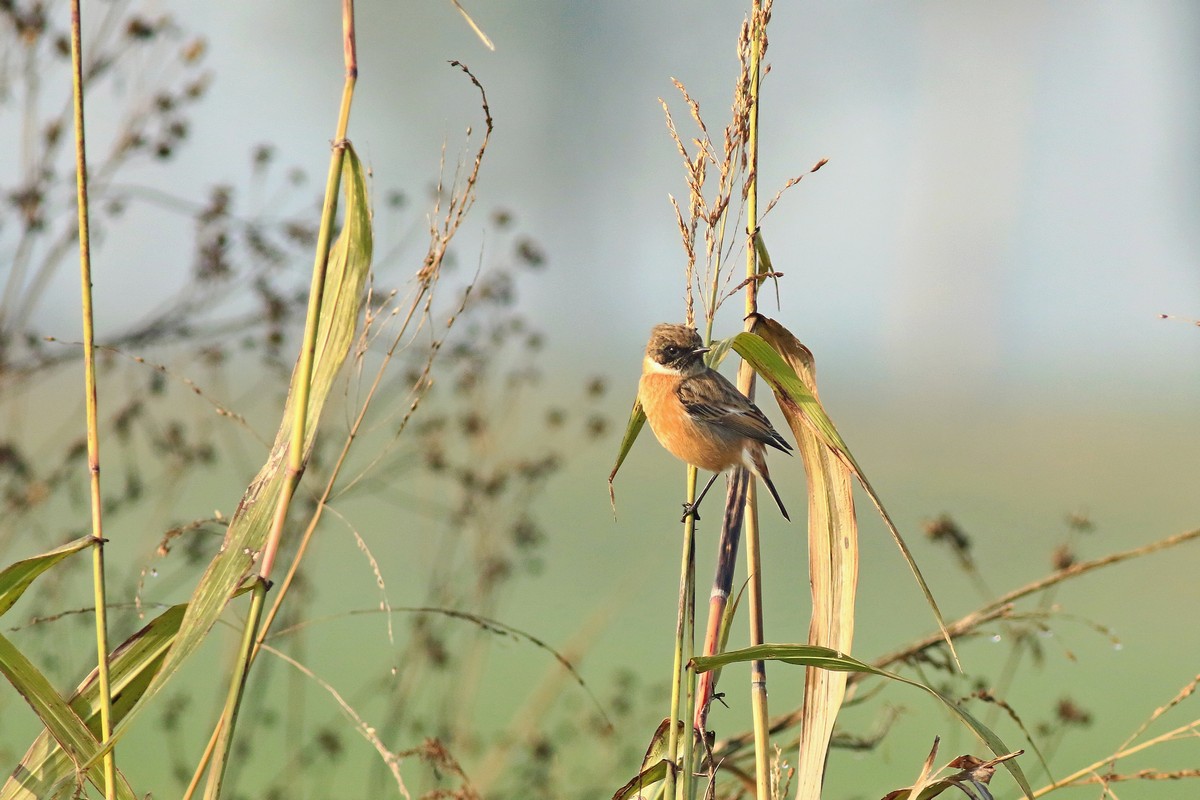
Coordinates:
[801,407]
[832,569]
[483,37]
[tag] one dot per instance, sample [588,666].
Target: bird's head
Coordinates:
[675,349]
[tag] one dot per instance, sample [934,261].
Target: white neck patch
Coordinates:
[650,365]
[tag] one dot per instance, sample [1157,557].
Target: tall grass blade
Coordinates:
[334,304]
[832,568]
[63,739]
[798,403]
[18,576]
[637,418]
[64,730]
[70,732]
[132,666]
[349,263]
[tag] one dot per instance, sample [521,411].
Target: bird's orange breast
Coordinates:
[700,444]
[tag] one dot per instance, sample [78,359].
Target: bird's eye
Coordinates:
[672,351]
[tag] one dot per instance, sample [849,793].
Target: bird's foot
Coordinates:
[690,510]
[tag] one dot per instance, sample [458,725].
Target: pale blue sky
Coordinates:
[1010,194]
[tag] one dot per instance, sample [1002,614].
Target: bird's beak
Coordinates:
[701,350]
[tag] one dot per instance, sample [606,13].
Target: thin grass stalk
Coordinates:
[321,263]
[301,387]
[420,302]
[89,380]
[302,548]
[758,669]
[1188,731]
[687,757]
[282,591]
[685,625]
[205,758]
[722,587]
[688,598]
[334,472]
[233,700]
[690,561]
[710,312]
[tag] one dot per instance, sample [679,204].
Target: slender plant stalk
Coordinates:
[428,276]
[687,756]
[685,631]
[233,699]
[685,625]
[282,590]
[758,669]
[295,466]
[301,388]
[722,586]
[89,381]
[205,758]
[1184,731]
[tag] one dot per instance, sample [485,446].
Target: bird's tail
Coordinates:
[758,465]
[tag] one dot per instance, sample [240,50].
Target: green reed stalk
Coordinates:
[89,381]
[685,645]
[758,669]
[301,386]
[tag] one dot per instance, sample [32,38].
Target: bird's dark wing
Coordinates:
[712,399]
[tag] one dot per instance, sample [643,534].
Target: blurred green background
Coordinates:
[1009,204]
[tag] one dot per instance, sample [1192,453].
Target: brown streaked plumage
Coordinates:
[698,415]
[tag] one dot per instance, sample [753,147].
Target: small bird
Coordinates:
[698,415]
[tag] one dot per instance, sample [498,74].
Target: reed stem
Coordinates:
[681,669]
[100,593]
[301,387]
[758,669]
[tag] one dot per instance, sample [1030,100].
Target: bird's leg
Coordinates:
[692,509]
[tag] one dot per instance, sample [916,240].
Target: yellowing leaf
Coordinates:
[637,418]
[798,402]
[832,568]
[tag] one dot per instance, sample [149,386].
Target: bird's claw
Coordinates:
[690,510]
